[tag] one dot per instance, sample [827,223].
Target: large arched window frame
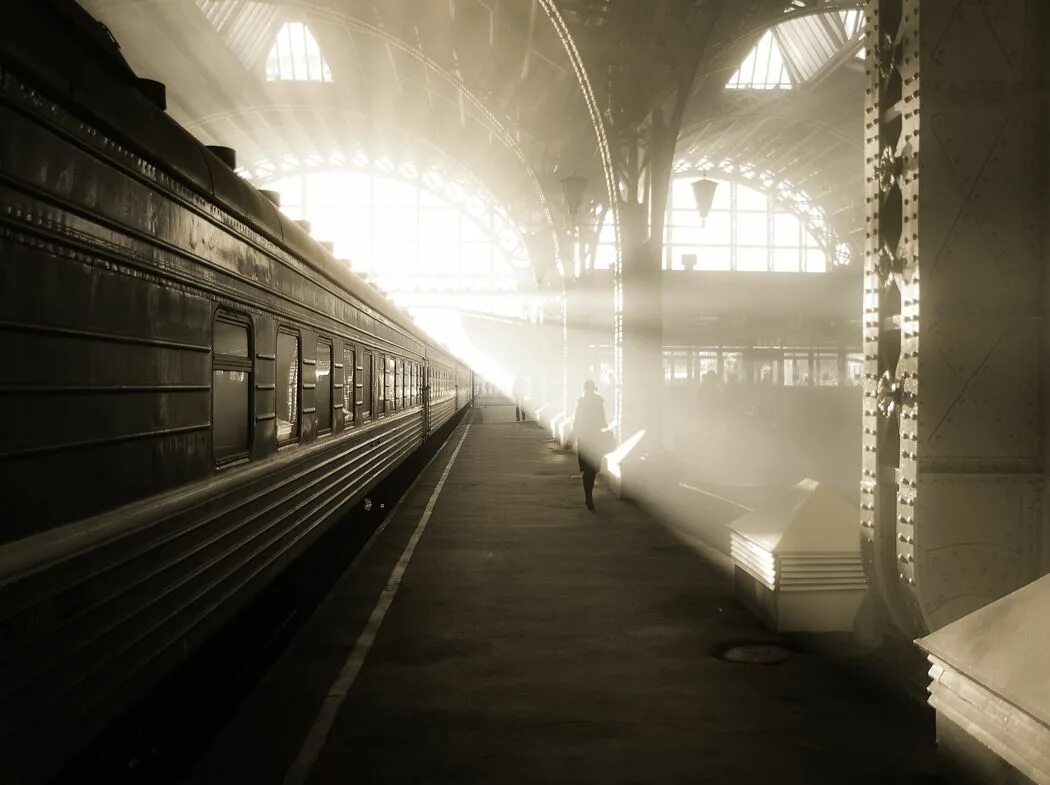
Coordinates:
[406,228]
[755,225]
[747,230]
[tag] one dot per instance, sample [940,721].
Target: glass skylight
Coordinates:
[798,50]
[762,69]
[296,56]
[246,27]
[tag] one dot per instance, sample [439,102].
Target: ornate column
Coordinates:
[642,216]
[954,305]
[642,335]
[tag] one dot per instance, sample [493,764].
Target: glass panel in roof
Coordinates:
[852,22]
[296,56]
[810,42]
[797,50]
[246,27]
[762,69]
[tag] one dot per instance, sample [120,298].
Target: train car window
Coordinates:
[288,381]
[323,391]
[349,390]
[413,385]
[231,337]
[389,385]
[364,386]
[395,366]
[399,387]
[405,386]
[231,388]
[380,385]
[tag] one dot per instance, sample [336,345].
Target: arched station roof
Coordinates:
[520,92]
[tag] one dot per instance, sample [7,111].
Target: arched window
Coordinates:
[747,230]
[408,236]
[762,69]
[296,56]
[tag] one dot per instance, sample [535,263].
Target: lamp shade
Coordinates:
[572,189]
[704,194]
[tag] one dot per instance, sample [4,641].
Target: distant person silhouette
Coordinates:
[588,424]
[520,391]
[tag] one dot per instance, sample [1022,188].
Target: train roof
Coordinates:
[67,54]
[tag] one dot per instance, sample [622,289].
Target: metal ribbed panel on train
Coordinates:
[169,570]
[131,531]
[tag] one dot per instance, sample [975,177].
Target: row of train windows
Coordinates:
[373,384]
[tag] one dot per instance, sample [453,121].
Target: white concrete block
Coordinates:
[798,560]
[990,686]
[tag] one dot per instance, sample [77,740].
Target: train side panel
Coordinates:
[113,368]
[127,541]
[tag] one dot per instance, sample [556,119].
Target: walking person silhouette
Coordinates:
[588,426]
[520,391]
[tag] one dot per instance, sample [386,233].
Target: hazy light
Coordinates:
[614,459]
[767,226]
[762,69]
[414,235]
[446,326]
[797,50]
[296,56]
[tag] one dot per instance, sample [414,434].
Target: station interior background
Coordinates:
[762,362]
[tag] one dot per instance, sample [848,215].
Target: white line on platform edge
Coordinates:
[318,734]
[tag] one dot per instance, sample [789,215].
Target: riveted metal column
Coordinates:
[954,401]
[884,235]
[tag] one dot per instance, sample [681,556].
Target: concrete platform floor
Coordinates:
[532,641]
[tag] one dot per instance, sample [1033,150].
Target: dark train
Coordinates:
[193,389]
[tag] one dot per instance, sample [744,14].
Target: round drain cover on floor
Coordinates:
[755,653]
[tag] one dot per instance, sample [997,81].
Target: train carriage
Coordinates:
[203,390]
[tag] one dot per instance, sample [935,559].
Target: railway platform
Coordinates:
[496,631]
